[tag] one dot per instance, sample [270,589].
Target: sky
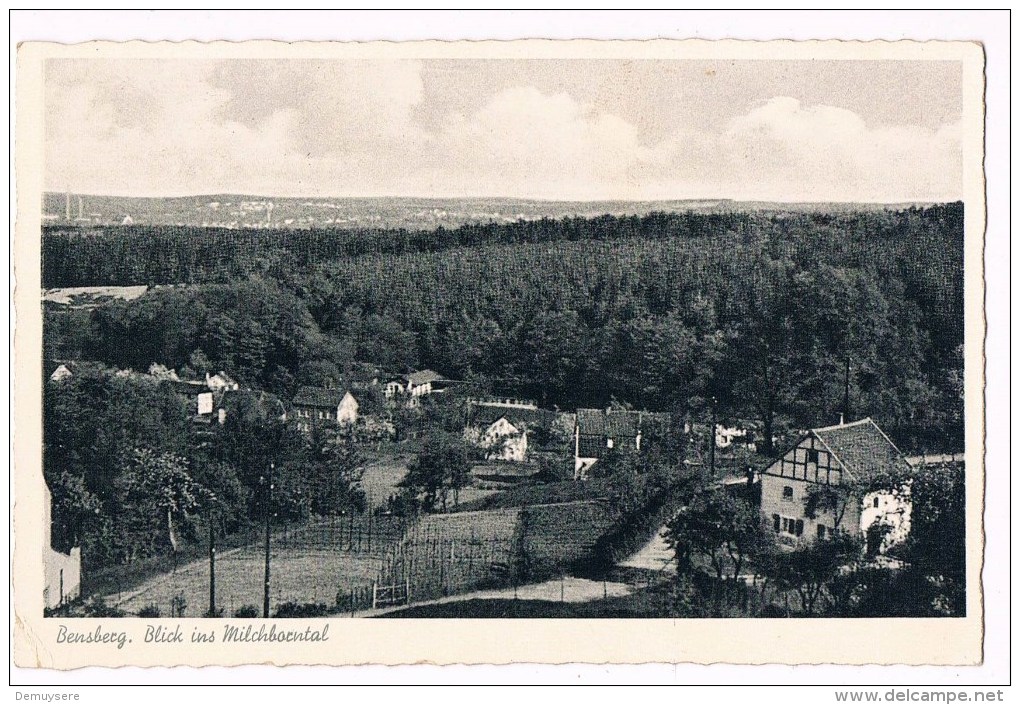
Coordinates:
[577,129]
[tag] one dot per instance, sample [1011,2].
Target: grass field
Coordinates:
[312,565]
[382,477]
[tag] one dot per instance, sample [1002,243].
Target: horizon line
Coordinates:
[724,199]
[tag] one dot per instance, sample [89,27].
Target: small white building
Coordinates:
[62,372]
[221,382]
[61,571]
[502,439]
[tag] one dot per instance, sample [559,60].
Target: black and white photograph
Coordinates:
[516,334]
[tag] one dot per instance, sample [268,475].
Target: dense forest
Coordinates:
[760,311]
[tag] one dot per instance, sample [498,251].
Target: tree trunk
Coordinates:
[768,429]
[171,534]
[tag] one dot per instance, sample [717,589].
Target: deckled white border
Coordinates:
[786,26]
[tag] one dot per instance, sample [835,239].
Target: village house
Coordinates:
[843,458]
[413,384]
[63,371]
[318,407]
[221,382]
[501,427]
[598,432]
[61,571]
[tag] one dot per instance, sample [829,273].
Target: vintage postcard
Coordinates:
[499,352]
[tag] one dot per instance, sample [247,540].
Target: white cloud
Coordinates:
[318,128]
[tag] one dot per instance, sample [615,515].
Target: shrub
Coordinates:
[292,610]
[149,611]
[247,612]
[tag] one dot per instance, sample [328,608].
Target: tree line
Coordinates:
[760,312]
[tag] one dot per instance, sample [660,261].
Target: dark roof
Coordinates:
[265,403]
[610,424]
[486,415]
[422,377]
[862,448]
[319,397]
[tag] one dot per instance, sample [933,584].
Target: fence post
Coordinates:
[442,573]
[407,592]
[374,594]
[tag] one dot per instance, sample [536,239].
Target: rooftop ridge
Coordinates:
[823,429]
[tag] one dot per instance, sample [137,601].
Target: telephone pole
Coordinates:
[846,392]
[212,567]
[269,516]
[711,439]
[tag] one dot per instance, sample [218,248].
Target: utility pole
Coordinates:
[269,516]
[846,392]
[212,567]
[711,439]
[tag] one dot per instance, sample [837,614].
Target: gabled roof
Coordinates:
[528,418]
[611,424]
[862,448]
[319,397]
[422,377]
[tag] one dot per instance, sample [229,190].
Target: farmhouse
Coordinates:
[838,462]
[316,407]
[598,432]
[62,571]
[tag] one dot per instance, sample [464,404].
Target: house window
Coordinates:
[875,503]
[812,456]
[787,492]
[792,526]
[821,531]
[776,523]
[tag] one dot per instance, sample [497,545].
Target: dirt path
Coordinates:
[654,555]
[568,589]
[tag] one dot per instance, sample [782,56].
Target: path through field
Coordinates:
[569,589]
[654,555]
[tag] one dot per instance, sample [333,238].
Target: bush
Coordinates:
[149,611]
[295,610]
[213,614]
[247,612]
[97,607]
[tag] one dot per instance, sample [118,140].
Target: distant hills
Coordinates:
[240,211]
